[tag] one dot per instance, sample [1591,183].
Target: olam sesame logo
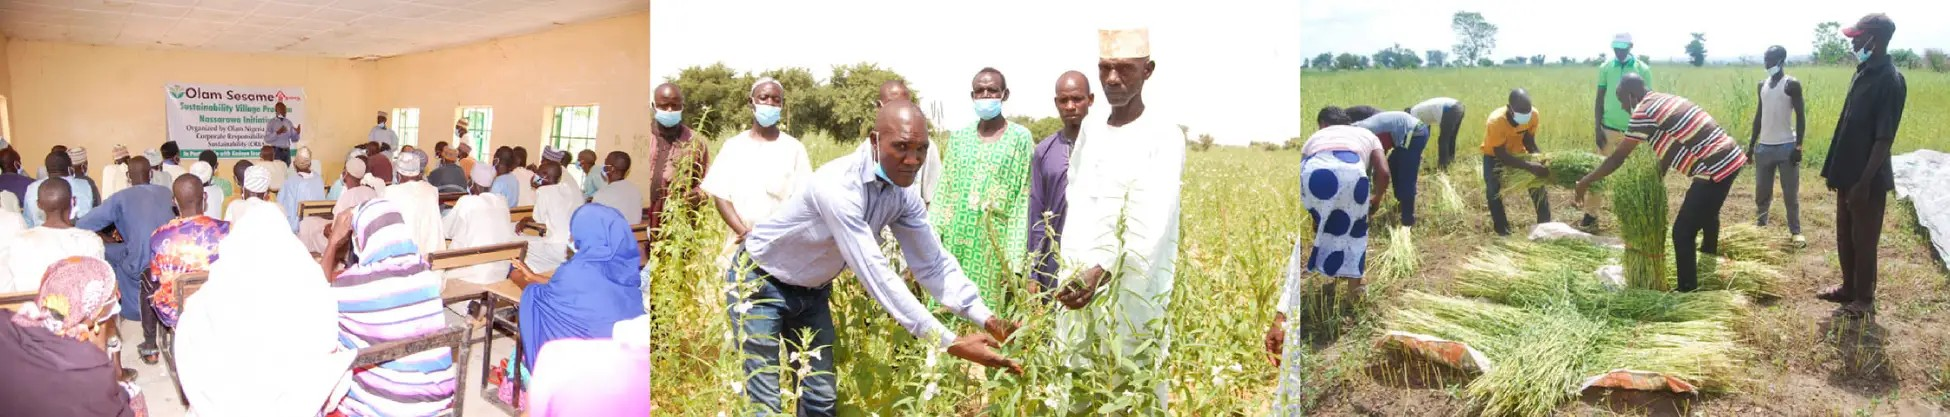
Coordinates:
[283,97]
[176,91]
[180,93]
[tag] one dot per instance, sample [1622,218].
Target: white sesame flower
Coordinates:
[814,354]
[743,307]
[928,394]
[1236,368]
[930,360]
[737,388]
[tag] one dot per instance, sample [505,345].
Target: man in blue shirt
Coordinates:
[504,175]
[280,133]
[786,265]
[135,213]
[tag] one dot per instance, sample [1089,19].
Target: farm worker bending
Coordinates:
[927,182]
[1690,142]
[1408,137]
[756,169]
[1610,115]
[1446,113]
[1775,145]
[1512,131]
[1342,179]
[1120,240]
[1857,168]
[985,210]
[1049,169]
[782,280]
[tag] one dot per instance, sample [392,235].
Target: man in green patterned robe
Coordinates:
[982,206]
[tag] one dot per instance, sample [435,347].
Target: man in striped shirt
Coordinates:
[1687,140]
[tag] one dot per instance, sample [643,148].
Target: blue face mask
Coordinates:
[1863,54]
[670,118]
[766,116]
[878,169]
[988,108]
[1773,70]
[1520,118]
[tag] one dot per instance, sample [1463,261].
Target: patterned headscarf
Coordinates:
[301,158]
[75,292]
[257,179]
[549,153]
[120,151]
[77,155]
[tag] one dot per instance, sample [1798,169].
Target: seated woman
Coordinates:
[590,293]
[594,377]
[224,339]
[388,293]
[56,365]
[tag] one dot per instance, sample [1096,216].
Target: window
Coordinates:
[406,124]
[572,129]
[480,130]
[6,125]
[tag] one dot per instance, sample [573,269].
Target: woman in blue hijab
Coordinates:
[598,287]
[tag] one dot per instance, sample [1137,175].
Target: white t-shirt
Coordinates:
[1430,111]
[29,253]
[419,208]
[554,206]
[479,220]
[757,175]
[1343,138]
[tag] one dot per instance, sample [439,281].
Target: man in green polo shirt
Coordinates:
[1611,118]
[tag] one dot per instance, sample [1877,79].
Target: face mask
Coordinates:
[460,133]
[878,169]
[766,116]
[988,108]
[1773,70]
[1520,118]
[669,118]
[1863,54]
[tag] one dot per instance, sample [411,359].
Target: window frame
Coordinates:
[479,129]
[559,127]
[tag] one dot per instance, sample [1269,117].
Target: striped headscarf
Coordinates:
[392,295]
[75,292]
[257,179]
[77,155]
[549,153]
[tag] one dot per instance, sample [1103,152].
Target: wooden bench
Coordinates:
[491,297]
[15,300]
[520,213]
[642,232]
[453,338]
[447,200]
[316,208]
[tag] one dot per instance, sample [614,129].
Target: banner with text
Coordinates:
[230,120]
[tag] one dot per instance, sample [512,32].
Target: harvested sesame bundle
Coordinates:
[1566,168]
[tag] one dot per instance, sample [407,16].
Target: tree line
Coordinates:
[1476,45]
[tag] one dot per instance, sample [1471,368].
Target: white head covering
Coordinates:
[226,336]
[356,167]
[257,179]
[154,157]
[409,163]
[1124,43]
[301,158]
[764,81]
[483,175]
[202,171]
[1622,37]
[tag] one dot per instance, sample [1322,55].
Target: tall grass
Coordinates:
[1563,98]
[1239,217]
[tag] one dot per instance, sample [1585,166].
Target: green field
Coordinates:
[1236,233]
[1563,98]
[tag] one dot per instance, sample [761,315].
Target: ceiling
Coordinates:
[332,28]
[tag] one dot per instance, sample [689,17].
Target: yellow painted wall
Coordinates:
[6,90]
[100,96]
[604,62]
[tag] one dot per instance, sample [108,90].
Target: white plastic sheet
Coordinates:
[1923,178]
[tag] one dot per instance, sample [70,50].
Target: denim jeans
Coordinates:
[779,312]
[1493,188]
[1403,166]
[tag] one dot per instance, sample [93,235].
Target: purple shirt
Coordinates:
[1048,176]
[18,184]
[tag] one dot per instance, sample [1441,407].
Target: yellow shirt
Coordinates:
[1502,133]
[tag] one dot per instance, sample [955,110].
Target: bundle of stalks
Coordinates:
[1533,379]
[1566,168]
[1705,353]
[1747,242]
[1398,259]
[1754,278]
[1488,327]
[1640,305]
[1639,198]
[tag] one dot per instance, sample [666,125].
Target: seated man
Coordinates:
[554,203]
[388,293]
[302,185]
[55,366]
[618,192]
[418,202]
[480,219]
[136,213]
[257,181]
[311,230]
[28,254]
[186,245]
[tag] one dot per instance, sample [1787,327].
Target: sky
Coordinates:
[1660,28]
[1228,68]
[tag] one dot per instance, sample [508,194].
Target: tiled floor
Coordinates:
[160,389]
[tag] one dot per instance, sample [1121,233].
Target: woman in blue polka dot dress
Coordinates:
[1342,178]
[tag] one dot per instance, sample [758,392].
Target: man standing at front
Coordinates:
[1612,119]
[280,134]
[1122,225]
[1049,168]
[380,133]
[781,281]
[674,157]
[927,183]
[983,215]
[1858,161]
[1775,144]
